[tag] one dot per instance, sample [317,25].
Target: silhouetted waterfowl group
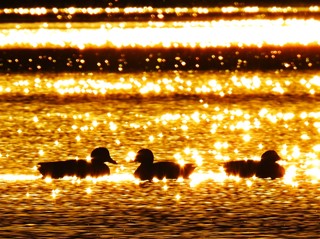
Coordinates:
[265,168]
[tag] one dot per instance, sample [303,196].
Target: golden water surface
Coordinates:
[59,99]
[201,117]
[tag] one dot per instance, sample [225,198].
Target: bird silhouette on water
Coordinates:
[149,170]
[265,168]
[79,168]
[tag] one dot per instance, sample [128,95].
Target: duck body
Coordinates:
[272,171]
[265,168]
[163,170]
[79,168]
[160,170]
[241,168]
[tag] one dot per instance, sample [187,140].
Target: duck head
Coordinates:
[101,155]
[144,156]
[270,156]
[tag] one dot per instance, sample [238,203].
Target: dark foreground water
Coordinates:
[267,209]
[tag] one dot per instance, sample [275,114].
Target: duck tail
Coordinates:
[187,170]
[41,169]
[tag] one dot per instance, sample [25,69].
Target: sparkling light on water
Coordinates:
[203,34]
[18,177]
[236,120]
[62,102]
[148,9]
[172,34]
[149,86]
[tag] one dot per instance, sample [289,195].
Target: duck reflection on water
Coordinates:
[265,168]
[79,168]
[160,170]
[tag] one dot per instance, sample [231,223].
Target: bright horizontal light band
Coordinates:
[202,34]
[128,85]
[149,9]
[18,177]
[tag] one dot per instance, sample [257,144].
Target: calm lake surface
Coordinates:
[188,100]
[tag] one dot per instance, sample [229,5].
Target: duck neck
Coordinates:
[147,163]
[97,161]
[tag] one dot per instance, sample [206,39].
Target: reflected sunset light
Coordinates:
[225,95]
[200,34]
[68,86]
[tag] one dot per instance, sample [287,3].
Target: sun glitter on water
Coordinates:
[203,34]
[148,87]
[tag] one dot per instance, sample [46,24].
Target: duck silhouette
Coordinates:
[160,170]
[265,168]
[79,168]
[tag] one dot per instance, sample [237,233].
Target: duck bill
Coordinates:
[112,161]
[280,159]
